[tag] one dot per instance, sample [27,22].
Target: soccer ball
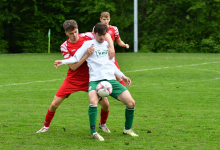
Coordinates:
[104,88]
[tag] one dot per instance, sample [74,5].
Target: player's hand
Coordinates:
[111,52]
[126,80]
[127,46]
[90,50]
[57,63]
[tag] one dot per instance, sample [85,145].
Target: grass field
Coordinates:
[177,104]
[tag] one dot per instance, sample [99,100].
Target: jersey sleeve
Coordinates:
[93,29]
[118,72]
[88,36]
[116,32]
[78,55]
[64,50]
[81,51]
[70,60]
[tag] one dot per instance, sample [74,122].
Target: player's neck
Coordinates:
[73,41]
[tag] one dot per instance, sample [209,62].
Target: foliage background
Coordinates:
[185,26]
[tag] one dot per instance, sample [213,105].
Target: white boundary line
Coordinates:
[124,71]
[30,82]
[203,69]
[190,81]
[174,66]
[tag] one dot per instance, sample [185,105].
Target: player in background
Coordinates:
[77,78]
[113,31]
[103,69]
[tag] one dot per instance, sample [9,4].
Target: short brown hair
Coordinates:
[70,25]
[100,28]
[105,14]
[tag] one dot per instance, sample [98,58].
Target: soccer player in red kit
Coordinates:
[77,78]
[113,31]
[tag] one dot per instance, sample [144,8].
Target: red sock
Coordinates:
[48,118]
[104,116]
[123,83]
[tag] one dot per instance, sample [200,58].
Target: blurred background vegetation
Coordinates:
[183,26]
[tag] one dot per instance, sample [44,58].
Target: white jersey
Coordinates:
[100,67]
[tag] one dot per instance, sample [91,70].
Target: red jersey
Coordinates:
[113,31]
[68,49]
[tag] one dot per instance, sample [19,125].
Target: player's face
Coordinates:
[73,35]
[105,20]
[100,37]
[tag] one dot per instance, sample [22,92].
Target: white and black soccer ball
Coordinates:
[104,88]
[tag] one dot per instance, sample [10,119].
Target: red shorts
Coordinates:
[116,63]
[67,88]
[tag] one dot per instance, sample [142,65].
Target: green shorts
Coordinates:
[118,88]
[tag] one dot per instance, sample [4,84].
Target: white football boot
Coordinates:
[97,136]
[129,132]
[104,128]
[43,130]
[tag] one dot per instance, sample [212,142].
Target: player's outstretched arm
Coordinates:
[57,63]
[111,49]
[121,43]
[71,60]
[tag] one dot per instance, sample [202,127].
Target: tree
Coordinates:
[164,25]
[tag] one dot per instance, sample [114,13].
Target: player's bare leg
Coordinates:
[126,98]
[50,113]
[104,104]
[104,114]
[55,103]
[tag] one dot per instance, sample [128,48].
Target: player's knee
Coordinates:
[54,105]
[131,104]
[105,101]
[93,101]
[105,106]
[56,102]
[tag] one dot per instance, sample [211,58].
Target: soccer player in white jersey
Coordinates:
[77,78]
[103,69]
[114,33]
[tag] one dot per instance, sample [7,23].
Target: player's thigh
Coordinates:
[57,100]
[93,85]
[93,97]
[118,88]
[126,98]
[71,87]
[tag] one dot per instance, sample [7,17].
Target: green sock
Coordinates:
[92,117]
[129,116]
